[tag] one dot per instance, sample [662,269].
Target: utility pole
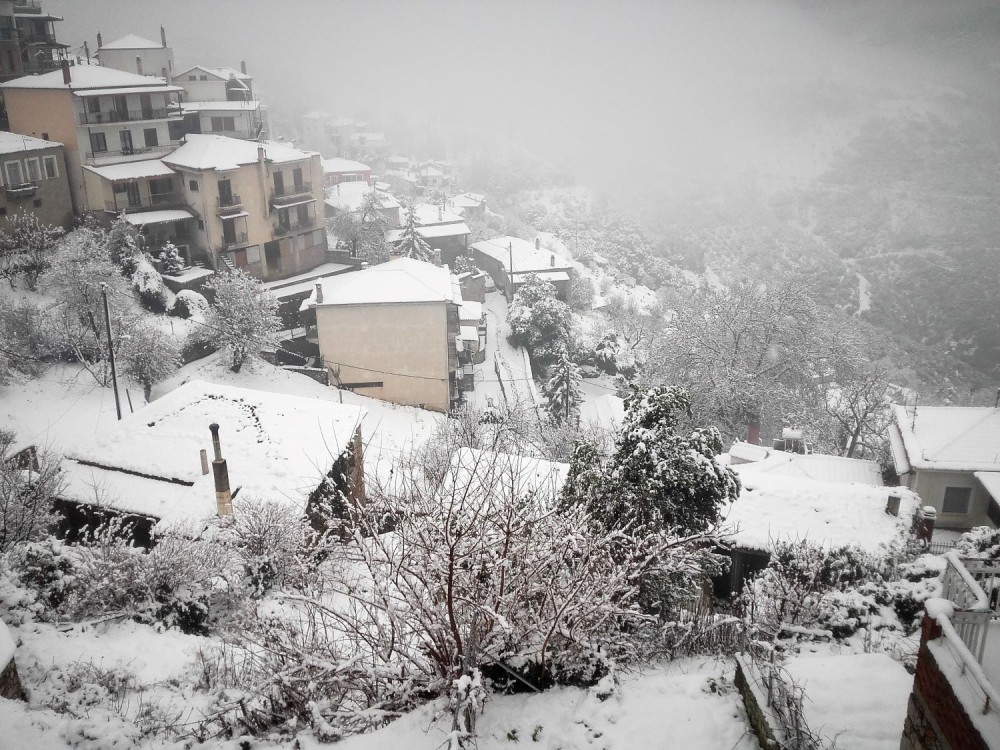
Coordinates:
[111,349]
[510,261]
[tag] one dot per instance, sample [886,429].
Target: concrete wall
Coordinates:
[389,338]
[51,202]
[156,61]
[49,114]
[212,90]
[930,485]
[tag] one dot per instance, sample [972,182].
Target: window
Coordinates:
[192,78]
[956,499]
[126,139]
[37,203]
[201,224]
[15,175]
[98,143]
[51,167]
[34,170]
[193,186]
[93,105]
[45,136]
[161,186]
[152,139]
[132,189]
[202,78]
[303,214]
[223,123]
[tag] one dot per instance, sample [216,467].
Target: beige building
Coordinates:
[33,174]
[133,54]
[390,332]
[102,116]
[511,260]
[202,84]
[950,456]
[256,204]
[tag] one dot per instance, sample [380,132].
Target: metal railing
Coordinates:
[292,191]
[282,230]
[240,238]
[229,203]
[126,115]
[165,199]
[244,134]
[94,156]
[23,190]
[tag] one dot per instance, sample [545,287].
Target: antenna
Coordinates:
[913,422]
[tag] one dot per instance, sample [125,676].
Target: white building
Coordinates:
[134,54]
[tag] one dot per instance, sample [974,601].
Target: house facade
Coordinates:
[256,204]
[390,332]
[950,456]
[511,260]
[336,171]
[101,116]
[134,54]
[33,174]
[203,84]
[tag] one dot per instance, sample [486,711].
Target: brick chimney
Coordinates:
[552,260]
[243,67]
[319,293]
[99,42]
[138,64]
[223,497]
[538,244]
[163,37]
[67,74]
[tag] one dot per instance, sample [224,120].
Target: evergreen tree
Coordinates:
[562,391]
[171,259]
[411,244]
[123,247]
[538,320]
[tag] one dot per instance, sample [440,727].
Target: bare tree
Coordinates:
[28,484]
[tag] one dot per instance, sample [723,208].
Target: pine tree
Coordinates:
[562,391]
[411,244]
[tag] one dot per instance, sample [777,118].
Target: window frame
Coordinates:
[6,173]
[54,163]
[101,140]
[30,163]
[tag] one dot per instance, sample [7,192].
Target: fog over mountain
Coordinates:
[638,92]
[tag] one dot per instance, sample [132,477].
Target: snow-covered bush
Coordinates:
[539,321]
[244,318]
[27,489]
[170,259]
[152,355]
[190,304]
[982,542]
[26,247]
[122,246]
[45,568]
[149,286]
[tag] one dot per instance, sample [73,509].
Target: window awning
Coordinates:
[164,216]
[128,90]
[239,215]
[133,170]
[294,203]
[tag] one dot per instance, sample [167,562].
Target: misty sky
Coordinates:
[672,90]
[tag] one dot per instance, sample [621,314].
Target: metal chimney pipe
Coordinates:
[99,42]
[163,37]
[203,455]
[538,244]
[67,74]
[138,64]
[220,470]
[319,293]
[243,67]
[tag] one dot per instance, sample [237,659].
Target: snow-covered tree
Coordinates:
[244,317]
[27,488]
[26,248]
[123,246]
[171,259]
[411,244]
[364,230]
[151,355]
[538,320]
[661,472]
[562,391]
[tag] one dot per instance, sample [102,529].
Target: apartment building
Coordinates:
[101,115]
[202,84]
[256,204]
[10,48]
[390,331]
[33,174]
[40,51]
[134,54]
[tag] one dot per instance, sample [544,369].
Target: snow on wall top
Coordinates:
[949,438]
[131,41]
[221,153]
[278,447]
[341,166]
[86,77]
[830,514]
[12,143]
[822,468]
[398,281]
[525,257]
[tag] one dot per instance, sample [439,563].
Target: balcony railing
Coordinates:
[238,239]
[24,190]
[283,230]
[229,204]
[96,156]
[40,65]
[165,199]
[287,193]
[244,134]
[38,38]
[126,115]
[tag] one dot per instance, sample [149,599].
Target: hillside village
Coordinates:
[304,440]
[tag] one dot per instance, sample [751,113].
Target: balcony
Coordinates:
[283,230]
[236,240]
[244,134]
[94,158]
[290,193]
[229,204]
[126,115]
[24,190]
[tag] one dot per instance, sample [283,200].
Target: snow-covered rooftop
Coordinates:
[990,481]
[87,77]
[947,438]
[399,281]
[430,214]
[158,216]
[347,196]
[277,447]
[507,476]
[133,170]
[226,72]
[13,142]
[220,153]
[444,230]
[467,200]
[822,468]
[790,509]
[525,257]
[470,310]
[606,412]
[131,41]
[341,166]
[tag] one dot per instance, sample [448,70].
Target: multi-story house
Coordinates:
[390,331]
[256,204]
[340,170]
[101,115]
[34,180]
[41,52]
[220,101]
[10,49]
[133,54]
[202,84]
